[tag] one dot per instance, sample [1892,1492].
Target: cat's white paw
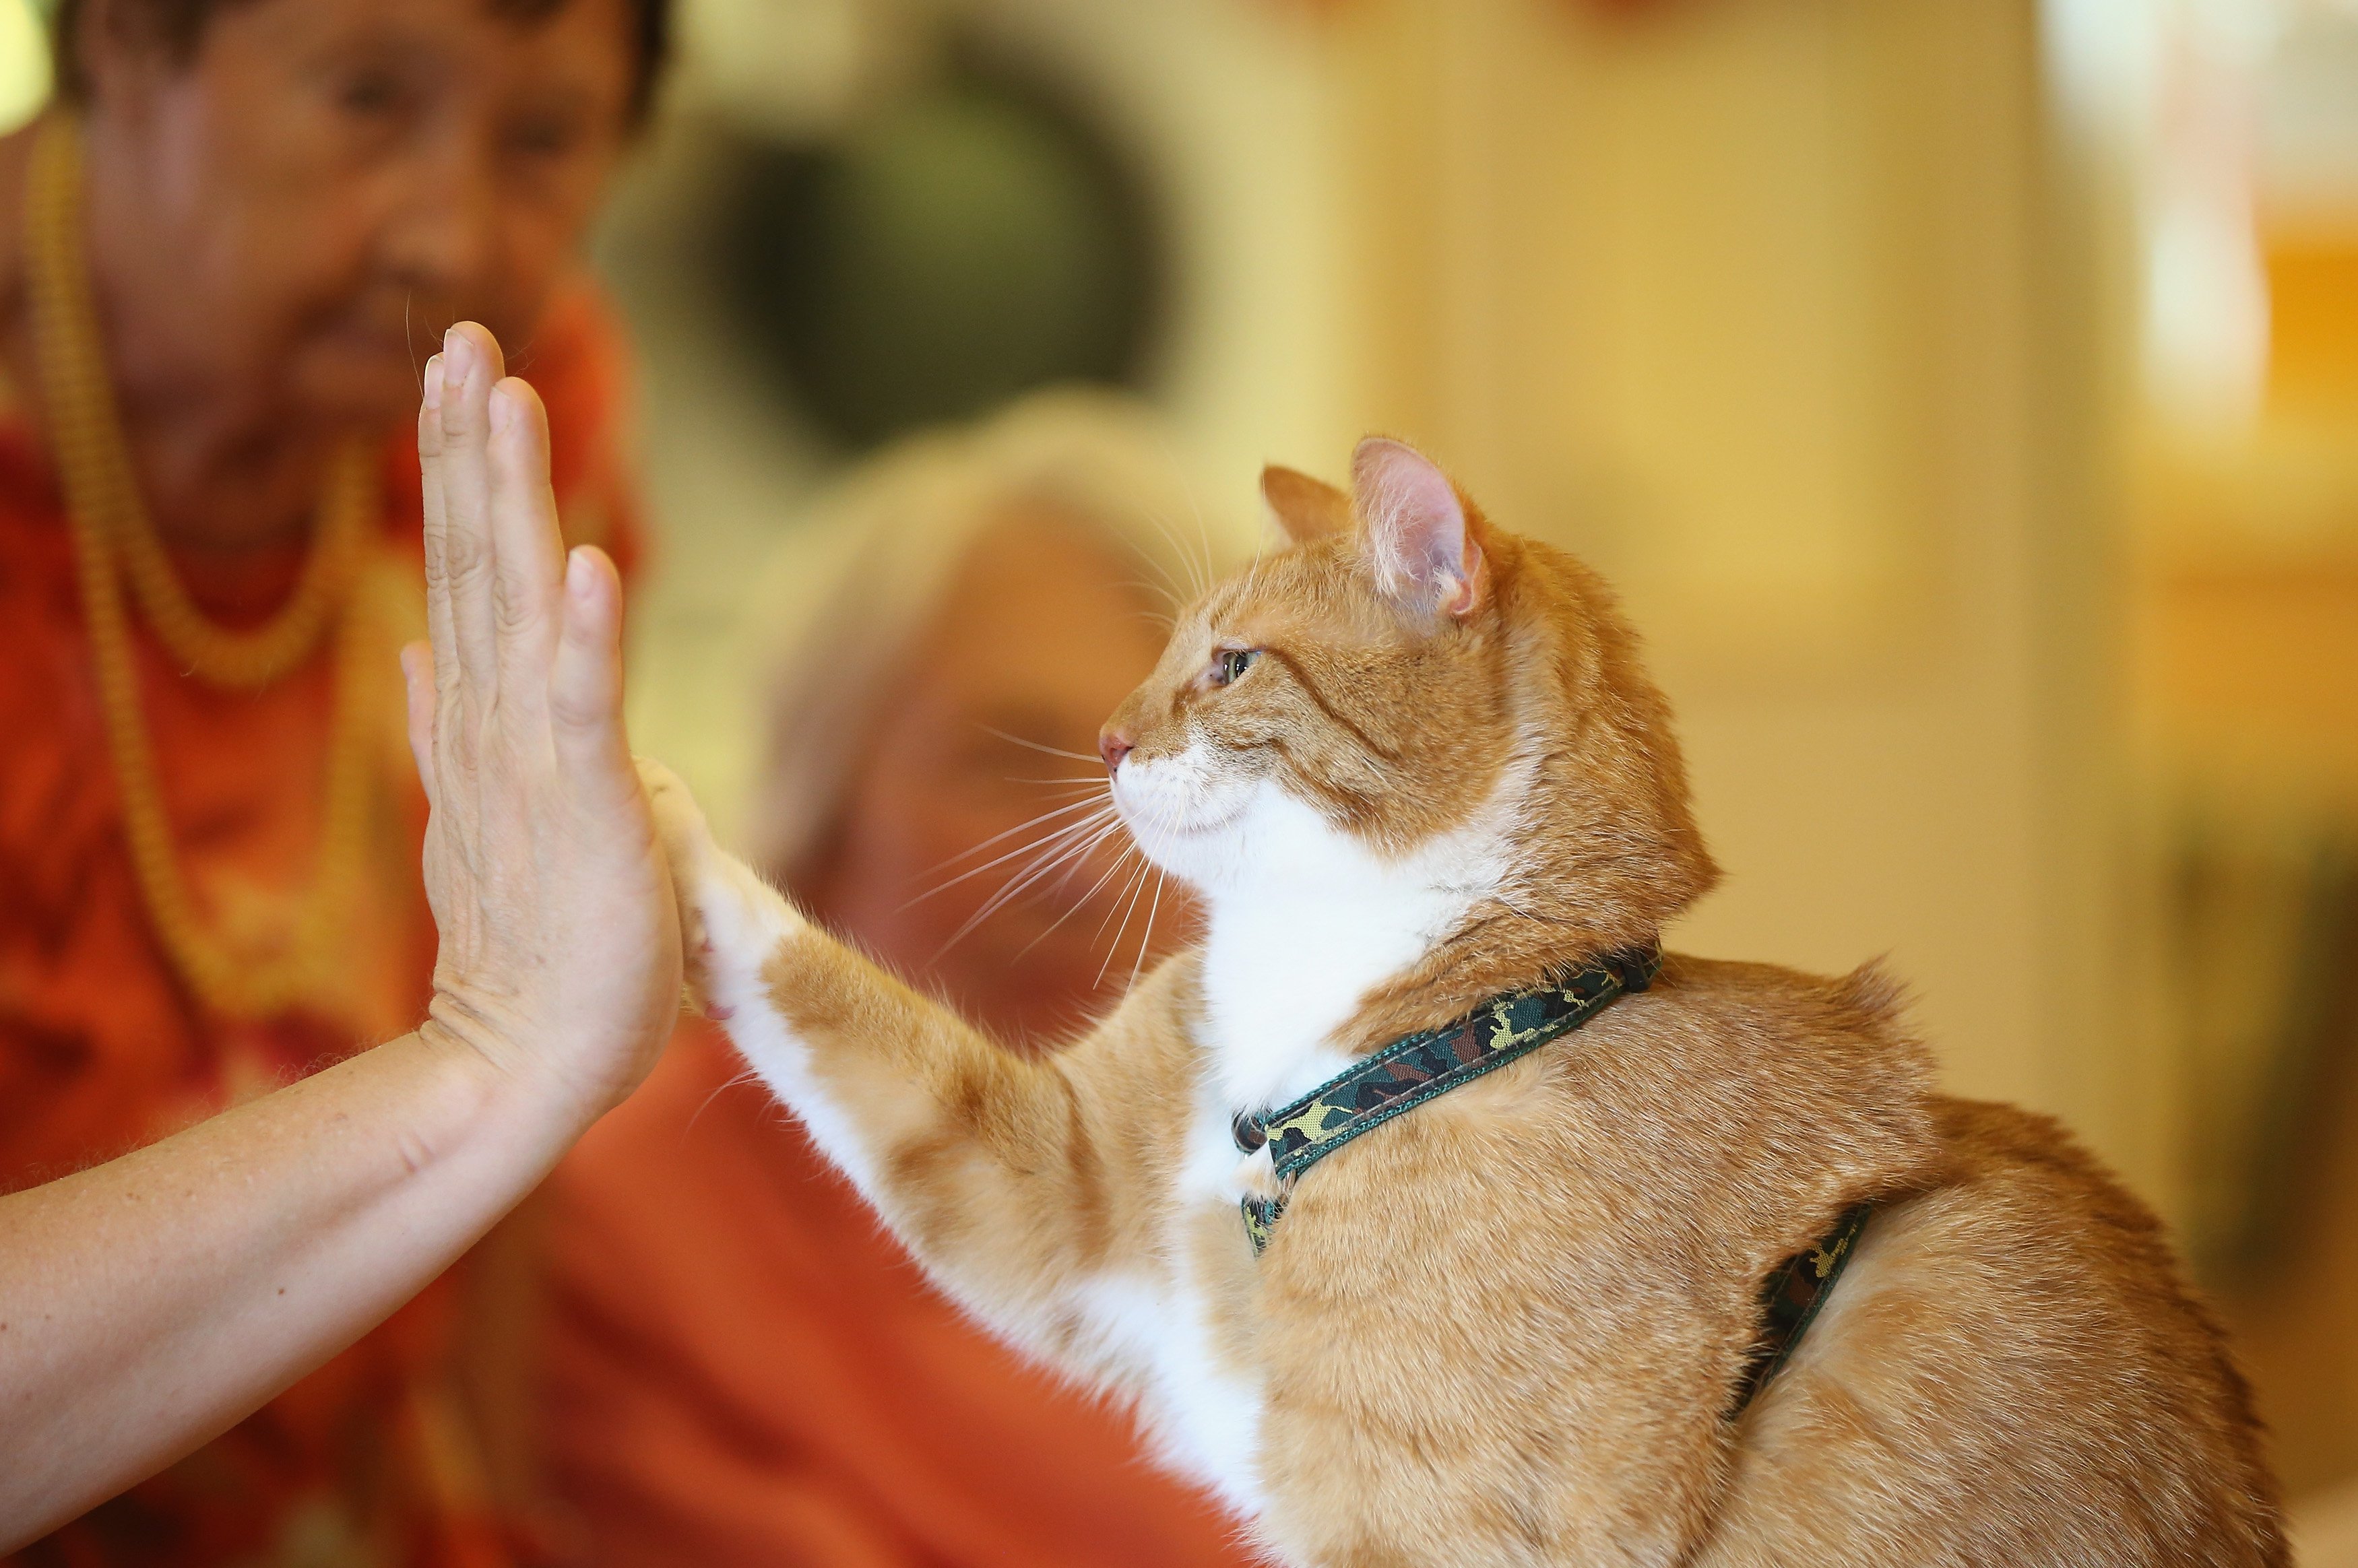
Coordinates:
[729,920]
[679,822]
[687,844]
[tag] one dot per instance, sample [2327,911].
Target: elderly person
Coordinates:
[226,253]
[744,1368]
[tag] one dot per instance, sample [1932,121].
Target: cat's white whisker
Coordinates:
[1183,554]
[1049,843]
[1129,896]
[1177,591]
[1146,937]
[1122,862]
[1036,746]
[738,1080]
[1252,568]
[1204,539]
[1062,864]
[1074,866]
[1076,906]
[1206,569]
[973,849]
[1070,854]
[1168,620]
[1074,848]
[1166,591]
[1071,830]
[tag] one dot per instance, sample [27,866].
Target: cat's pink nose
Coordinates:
[1113,747]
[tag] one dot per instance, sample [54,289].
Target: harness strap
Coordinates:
[1422,1066]
[1790,1298]
[1418,1067]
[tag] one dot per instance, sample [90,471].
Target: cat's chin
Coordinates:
[1253,837]
[1185,822]
[1200,853]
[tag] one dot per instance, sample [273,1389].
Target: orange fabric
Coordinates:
[101,1050]
[744,1370]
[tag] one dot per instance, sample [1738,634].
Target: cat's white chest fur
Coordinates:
[1204,1400]
[1303,922]
[1310,920]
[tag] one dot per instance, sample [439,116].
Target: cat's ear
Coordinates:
[1305,508]
[1418,539]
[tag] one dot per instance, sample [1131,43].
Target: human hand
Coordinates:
[559,963]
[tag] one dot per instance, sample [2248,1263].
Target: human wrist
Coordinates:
[523,1079]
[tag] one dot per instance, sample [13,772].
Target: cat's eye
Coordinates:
[1229,665]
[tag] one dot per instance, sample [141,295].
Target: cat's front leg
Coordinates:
[1024,1185]
[736,930]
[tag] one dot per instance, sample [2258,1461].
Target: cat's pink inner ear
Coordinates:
[1417,540]
[1305,508]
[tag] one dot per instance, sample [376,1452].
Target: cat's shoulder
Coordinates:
[1768,1012]
[1868,998]
[1762,1054]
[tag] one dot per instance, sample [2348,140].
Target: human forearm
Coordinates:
[151,1302]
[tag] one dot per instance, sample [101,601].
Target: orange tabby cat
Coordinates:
[1413,766]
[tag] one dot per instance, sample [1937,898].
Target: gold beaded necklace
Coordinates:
[115,540]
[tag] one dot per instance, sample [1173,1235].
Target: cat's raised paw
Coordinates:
[729,920]
[688,848]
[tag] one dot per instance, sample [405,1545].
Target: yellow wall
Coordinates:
[24,63]
[1749,303]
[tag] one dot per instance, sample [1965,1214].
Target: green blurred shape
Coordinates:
[967,244]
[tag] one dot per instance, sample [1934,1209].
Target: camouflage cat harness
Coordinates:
[1409,1071]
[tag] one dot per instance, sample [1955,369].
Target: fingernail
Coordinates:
[504,410]
[434,382]
[579,575]
[457,356]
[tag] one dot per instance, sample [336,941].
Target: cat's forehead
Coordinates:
[1315,590]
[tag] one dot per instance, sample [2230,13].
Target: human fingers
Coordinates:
[527,552]
[439,627]
[585,687]
[418,683]
[470,365]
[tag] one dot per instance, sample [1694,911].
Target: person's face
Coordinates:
[328,184]
[1040,636]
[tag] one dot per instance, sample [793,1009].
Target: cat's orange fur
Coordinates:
[1506,1328]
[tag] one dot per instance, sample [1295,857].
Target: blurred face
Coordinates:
[1040,636]
[287,222]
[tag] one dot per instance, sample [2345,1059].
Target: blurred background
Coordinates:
[1966,397]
